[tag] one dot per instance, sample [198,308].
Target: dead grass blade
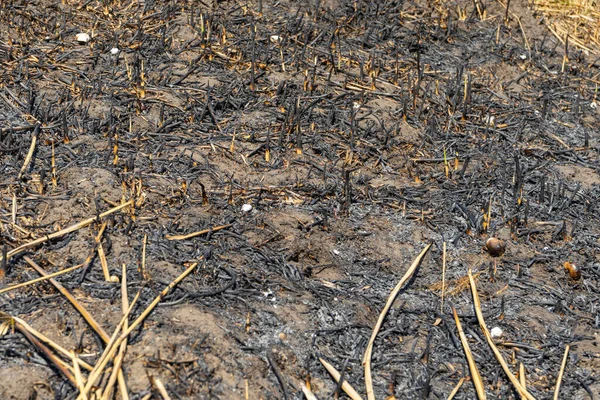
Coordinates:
[561,373]
[41,279]
[78,377]
[472,366]
[199,233]
[108,352]
[30,152]
[116,340]
[453,286]
[21,325]
[522,377]
[443,276]
[388,305]
[86,315]
[101,255]
[161,389]
[307,392]
[456,388]
[523,392]
[65,231]
[158,298]
[346,387]
[57,362]
[119,359]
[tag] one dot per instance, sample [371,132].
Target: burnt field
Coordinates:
[234,190]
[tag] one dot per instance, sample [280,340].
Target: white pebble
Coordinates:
[593,105]
[275,39]
[523,57]
[82,37]
[246,207]
[496,332]
[114,51]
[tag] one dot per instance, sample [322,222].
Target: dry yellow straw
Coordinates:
[65,231]
[561,373]
[388,305]
[41,279]
[523,392]
[346,387]
[472,366]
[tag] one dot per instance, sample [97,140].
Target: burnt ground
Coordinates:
[359,132]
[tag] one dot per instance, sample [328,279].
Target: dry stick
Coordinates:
[29,334]
[561,373]
[65,231]
[307,392]
[22,325]
[456,388]
[522,377]
[472,366]
[101,254]
[112,344]
[353,394]
[41,279]
[119,359]
[86,315]
[388,305]
[199,233]
[522,391]
[108,351]
[59,364]
[14,209]
[78,376]
[161,389]
[143,271]
[158,298]
[443,276]
[30,153]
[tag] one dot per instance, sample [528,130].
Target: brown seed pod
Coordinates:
[573,270]
[495,246]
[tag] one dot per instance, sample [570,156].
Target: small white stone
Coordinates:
[496,332]
[523,57]
[593,105]
[336,252]
[114,51]
[275,39]
[246,207]
[82,37]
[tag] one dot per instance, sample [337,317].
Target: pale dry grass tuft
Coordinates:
[579,19]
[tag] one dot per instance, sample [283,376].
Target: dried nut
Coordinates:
[282,335]
[114,279]
[573,270]
[495,246]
